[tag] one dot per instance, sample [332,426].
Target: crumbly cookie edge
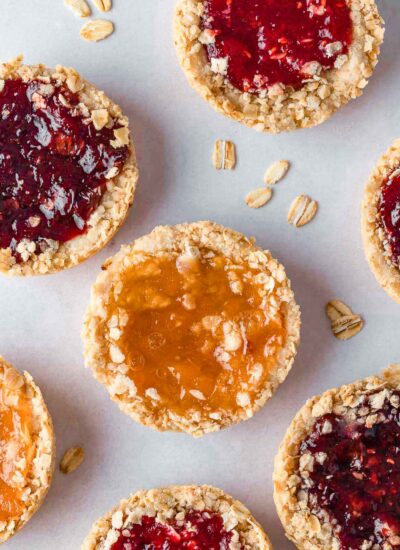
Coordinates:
[387,275]
[44,461]
[179,498]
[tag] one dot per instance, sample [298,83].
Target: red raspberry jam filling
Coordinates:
[355,476]
[266,42]
[53,164]
[197,531]
[389,214]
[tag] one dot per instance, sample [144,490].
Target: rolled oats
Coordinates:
[258,197]
[79,7]
[276,172]
[336,309]
[97,30]
[72,459]
[103,5]
[347,326]
[302,211]
[224,155]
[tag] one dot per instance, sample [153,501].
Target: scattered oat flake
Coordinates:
[197,394]
[259,197]
[72,459]
[224,155]
[302,210]
[336,309]
[276,172]
[103,5]
[97,30]
[79,7]
[347,326]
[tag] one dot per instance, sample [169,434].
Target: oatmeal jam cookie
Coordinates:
[338,468]
[67,169]
[180,517]
[27,449]
[381,221]
[191,328]
[278,65]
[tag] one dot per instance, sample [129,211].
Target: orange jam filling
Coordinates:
[198,333]
[16,451]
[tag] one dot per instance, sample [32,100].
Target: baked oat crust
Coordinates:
[167,503]
[174,240]
[114,206]
[375,248]
[305,529]
[281,109]
[38,480]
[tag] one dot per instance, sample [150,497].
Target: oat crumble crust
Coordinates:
[305,529]
[116,201]
[375,244]
[281,109]
[168,504]
[175,240]
[37,482]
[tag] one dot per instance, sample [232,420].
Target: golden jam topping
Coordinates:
[16,451]
[196,333]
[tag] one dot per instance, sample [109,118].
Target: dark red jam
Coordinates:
[53,164]
[358,481]
[389,214]
[272,41]
[198,531]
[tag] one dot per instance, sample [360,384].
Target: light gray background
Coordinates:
[174,130]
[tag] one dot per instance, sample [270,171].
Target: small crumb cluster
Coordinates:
[96,29]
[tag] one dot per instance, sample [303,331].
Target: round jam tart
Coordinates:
[337,473]
[67,169]
[381,221]
[278,65]
[27,449]
[178,518]
[191,328]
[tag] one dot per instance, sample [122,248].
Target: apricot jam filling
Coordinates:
[257,44]
[389,214]
[196,531]
[53,165]
[196,333]
[353,472]
[16,451]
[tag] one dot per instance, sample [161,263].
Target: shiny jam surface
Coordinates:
[15,444]
[356,479]
[198,531]
[266,42]
[197,336]
[53,164]
[389,214]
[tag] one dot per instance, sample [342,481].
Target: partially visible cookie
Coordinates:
[191,328]
[27,449]
[337,472]
[278,65]
[67,170]
[200,517]
[380,220]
